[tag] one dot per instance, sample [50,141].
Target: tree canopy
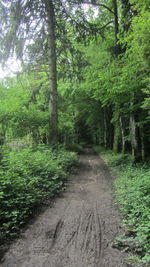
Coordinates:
[87,62]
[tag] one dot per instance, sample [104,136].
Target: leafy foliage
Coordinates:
[133,190]
[27,179]
[133,196]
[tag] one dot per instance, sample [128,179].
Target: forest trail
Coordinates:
[78,229]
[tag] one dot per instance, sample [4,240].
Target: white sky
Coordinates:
[13,66]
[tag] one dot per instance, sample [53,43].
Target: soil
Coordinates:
[78,229]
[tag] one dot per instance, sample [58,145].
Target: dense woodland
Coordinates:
[84,79]
[85,73]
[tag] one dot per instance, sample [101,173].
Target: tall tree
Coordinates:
[27,22]
[53,95]
[31,29]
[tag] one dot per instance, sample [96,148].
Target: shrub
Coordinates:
[27,179]
[133,196]
[132,189]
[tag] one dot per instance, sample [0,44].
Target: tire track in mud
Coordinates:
[77,231]
[82,242]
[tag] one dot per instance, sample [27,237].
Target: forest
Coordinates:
[84,78]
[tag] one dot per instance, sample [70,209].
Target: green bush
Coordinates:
[132,187]
[119,159]
[133,196]
[114,159]
[27,179]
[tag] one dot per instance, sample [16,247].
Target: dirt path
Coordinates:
[79,228]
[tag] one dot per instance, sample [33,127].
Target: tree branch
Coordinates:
[111,21]
[95,4]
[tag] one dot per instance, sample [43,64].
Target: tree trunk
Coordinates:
[116,136]
[135,139]
[126,15]
[141,117]
[116,24]
[133,135]
[142,143]
[115,8]
[122,135]
[53,95]
[105,128]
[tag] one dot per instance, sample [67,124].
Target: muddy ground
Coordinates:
[77,229]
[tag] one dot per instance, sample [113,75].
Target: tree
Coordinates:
[53,96]
[25,23]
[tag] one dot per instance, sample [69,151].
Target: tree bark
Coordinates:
[142,143]
[105,128]
[53,95]
[126,14]
[135,138]
[133,135]
[114,2]
[122,135]
[141,117]
[116,136]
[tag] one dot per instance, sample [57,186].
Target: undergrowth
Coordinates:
[27,179]
[132,187]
